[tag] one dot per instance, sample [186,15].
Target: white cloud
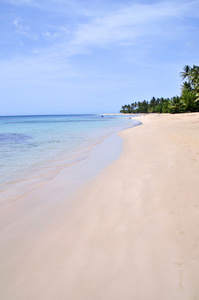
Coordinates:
[24,30]
[19,27]
[55,32]
[100,27]
[126,45]
[123,26]
[51,35]
[128,24]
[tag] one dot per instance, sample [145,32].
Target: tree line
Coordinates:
[188,101]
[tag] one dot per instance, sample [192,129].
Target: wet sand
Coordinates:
[129,233]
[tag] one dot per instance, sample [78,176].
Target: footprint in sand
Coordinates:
[181,272]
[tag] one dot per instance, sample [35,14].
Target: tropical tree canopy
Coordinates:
[188,101]
[192,75]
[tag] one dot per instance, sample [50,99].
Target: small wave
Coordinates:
[53,121]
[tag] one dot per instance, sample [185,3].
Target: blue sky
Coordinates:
[86,56]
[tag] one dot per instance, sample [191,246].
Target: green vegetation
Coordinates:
[187,102]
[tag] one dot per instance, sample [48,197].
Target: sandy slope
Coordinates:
[131,233]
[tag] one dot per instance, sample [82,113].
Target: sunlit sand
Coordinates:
[131,232]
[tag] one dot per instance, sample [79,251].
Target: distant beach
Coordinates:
[129,231]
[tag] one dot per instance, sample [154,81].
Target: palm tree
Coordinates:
[188,97]
[195,75]
[192,74]
[186,72]
[177,105]
[132,107]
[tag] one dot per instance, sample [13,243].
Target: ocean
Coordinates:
[35,147]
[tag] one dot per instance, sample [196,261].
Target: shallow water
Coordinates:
[35,147]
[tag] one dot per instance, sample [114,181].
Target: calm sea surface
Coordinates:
[29,144]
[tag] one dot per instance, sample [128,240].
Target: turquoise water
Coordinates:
[31,144]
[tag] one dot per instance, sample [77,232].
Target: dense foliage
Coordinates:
[187,102]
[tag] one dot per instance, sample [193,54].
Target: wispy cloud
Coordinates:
[116,45]
[123,26]
[19,27]
[128,24]
[23,29]
[97,27]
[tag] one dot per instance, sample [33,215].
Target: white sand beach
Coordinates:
[132,232]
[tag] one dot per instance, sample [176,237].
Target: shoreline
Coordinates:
[39,173]
[20,187]
[131,232]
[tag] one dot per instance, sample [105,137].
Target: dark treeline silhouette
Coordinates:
[187,102]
